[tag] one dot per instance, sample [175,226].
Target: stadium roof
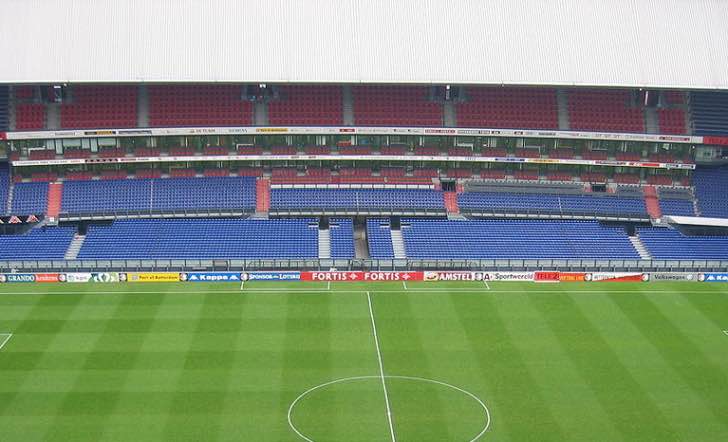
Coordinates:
[655,43]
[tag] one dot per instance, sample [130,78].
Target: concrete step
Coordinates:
[75,247]
[324,244]
[398,244]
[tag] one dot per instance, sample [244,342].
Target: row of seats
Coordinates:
[711,185]
[379,237]
[517,239]
[199,105]
[341,231]
[709,112]
[40,243]
[526,108]
[356,199]
[395,106]
[604,110]
[664,243]
[307,106]
[171,194]
[100,107]
[202,239]
[551,203]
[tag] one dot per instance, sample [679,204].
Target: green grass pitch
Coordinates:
[207,362]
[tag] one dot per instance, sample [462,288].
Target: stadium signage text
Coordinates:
[455,276]
[210,277]
[272,276]
[152,277]
[713,277]
[361,276]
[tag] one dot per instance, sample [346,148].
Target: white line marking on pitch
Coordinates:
[7,338]
[725,332]
[381,368]
[300,397]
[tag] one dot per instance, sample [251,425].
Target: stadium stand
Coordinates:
[527,239]
[709,112]
[671,121]
[38,243]
[604,110]
[202,239]
[677,207]
[342,238]
[500,202]
[710,189]
[527,108]
[4,107]
[199,105]
[356,199]
[4,187]
[379,235]
[29,198]
[664,243]
[166,194]
[307,106]
[100,107]
[395,106]
[30,116]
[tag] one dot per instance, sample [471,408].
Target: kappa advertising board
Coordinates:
[210,277]
[713,277]
[361,276]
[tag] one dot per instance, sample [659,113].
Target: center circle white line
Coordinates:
[486,412]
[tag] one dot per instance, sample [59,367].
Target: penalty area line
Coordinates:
[5,341]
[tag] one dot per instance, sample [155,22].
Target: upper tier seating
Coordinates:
[199,105]
[551,203]
[395,106]
[604,110]
[307,106]
[672,121]
[30,116]
[39,243]
[342,238]
[100,106]
[514,108]
[170,194]
[527,239]
[710,189]
[29,199]
[664,243]
[356,199]
[4,112]
[202,239]
[710,112]
[379,236]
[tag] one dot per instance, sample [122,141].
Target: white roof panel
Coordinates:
[656,43]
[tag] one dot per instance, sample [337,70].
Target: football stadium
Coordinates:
[363,220]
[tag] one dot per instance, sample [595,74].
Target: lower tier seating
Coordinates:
[516,239]
[665,243]
[342,238]
[210,193]
[379,236]
[677,207]
[551,203]
[202,239]
[39,243]
[356,199]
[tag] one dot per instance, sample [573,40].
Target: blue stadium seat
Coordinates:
[379,235]
[517,239]
[342,238]
[29,198]
[710,189]
[710,112]
[203,239]
[664,243]
[551,203]
[4,186]
[38,243]
[356,199]
[165,194]
[677,207]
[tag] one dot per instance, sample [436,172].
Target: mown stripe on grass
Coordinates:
[518,407]
[694,367]
[620,395]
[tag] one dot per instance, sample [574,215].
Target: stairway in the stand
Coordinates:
[262,197]
[652,202]
[640,247]
[348,105]
[55,195]
[562,103]
[361,245]
[324,243]
[451,204]
[75,246]
[11,192]
[398,244]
